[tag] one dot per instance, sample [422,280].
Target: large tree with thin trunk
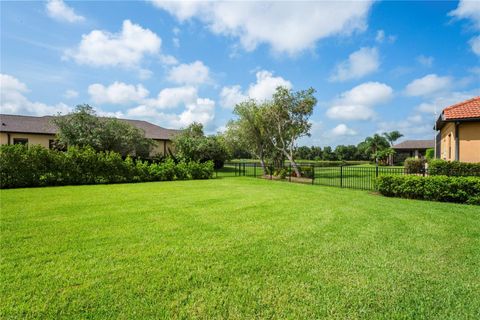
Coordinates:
[287,120]
[374,144]
[248,131]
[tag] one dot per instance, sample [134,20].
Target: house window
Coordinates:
[23,141]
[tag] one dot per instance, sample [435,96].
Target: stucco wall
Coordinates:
[160,147]
[448,139]
[469,134]
[33,139]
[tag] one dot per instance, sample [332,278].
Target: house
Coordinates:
[411,149]
[458,129]
[15,129]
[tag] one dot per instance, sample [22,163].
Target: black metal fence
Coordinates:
[355,177]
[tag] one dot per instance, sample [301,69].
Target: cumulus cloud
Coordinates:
[287,27]
[358,103]
[343,130]
[382,37]
[468,9]
[428,85]
[170,98]
[70,94]
[261,90]
[57,9]
[475,45]
[439,102]
[14,101]
[117,93]
[359,64]
[125,48]
[195,73]
[425,61]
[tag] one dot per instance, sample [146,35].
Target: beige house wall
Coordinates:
[447,145]
[469,134]
[33,139]
[43,140]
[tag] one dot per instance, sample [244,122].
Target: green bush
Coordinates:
[435,188]
[453,168]
[413,165]
[22,166]
[430,154]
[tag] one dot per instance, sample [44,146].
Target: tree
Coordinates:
[392,136]
[287,120]
[328,154]
[303,152]
[192,145]
[374,144]
[248,130]
[83,128]
[343,152]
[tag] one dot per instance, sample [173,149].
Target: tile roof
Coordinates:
[414,144]
[463,110]
[43,125]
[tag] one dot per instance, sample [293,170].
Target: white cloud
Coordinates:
[13,100]
[195,73]
[288,27]
[439,102]
[168,60]
[475,45]
[230,96]
[117,93]
[425,61]
[174,97]
[381,37]
[58,10]
[358,103]
[144,74]
[428,85]
[359,64]
[263,89]
[126,48]
[266,85]
[343,130]
[200,110]
[70,94]
[468,9]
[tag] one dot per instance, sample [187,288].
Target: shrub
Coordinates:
[435,188]
[430,154]
[413,165]
[22,166]
[453,168]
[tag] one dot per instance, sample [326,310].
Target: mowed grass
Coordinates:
[235,248]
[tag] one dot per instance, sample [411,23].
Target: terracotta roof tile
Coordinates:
[463,110]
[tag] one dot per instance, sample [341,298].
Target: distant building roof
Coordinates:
[414,144]
[43,125]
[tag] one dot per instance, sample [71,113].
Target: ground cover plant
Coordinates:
[234,248]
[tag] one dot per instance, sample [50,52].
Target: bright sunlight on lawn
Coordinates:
[235,248]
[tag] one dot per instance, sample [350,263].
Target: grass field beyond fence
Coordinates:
[238,248]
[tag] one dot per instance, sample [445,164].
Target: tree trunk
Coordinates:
[294,164]
[262,163]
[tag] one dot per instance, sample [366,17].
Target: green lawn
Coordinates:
[235,248]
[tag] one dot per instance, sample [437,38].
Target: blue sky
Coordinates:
[376,66]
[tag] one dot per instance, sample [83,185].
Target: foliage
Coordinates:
[83,128]
[374,144]
[430,154]
[435,188]
[384,155]
[453,168]
[392,136]
[414,165]
[22,166]
[287,120]
[192,145]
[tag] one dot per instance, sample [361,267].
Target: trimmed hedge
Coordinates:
[435,188]
[35,166]
[453,168]
[413,165]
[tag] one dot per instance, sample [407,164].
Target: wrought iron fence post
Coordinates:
[376,171]
[254,169]
[271,172]
[341,176]
[290,172]
[244,172]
